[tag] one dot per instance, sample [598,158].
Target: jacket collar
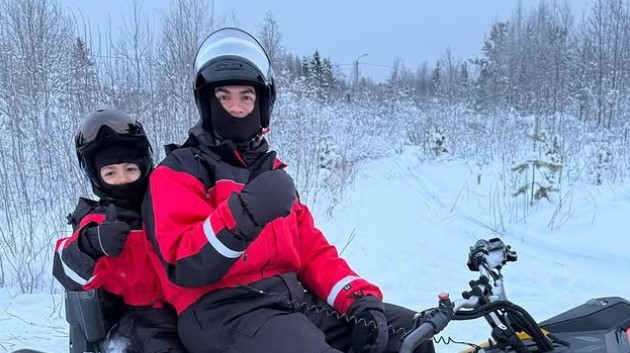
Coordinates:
[239,154]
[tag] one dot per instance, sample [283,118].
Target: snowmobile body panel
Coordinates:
[601,325]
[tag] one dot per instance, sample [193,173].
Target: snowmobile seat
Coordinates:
[599,325]
[91,314]
[594,315]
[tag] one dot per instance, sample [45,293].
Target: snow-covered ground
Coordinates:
[413,222]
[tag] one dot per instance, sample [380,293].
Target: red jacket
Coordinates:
[129,275]
[190,224]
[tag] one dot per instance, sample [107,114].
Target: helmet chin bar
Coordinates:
[265,95]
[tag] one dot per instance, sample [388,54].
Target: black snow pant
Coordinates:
[277,315]
[150,330]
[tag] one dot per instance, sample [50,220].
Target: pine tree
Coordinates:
[436,80]
[83,85]
[327,78]
[320,76]
[463,83]
[492,79]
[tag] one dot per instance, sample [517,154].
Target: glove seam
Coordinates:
[247,212]
[98,236]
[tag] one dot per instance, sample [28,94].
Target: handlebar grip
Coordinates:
[422,334]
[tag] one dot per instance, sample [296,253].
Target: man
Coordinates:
[245,266]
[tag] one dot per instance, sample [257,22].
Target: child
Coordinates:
[109,249]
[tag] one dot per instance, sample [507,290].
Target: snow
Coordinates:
[411,222]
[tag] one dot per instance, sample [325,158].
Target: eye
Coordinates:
[223,97]
[248,98]
[132,169]
[109,174]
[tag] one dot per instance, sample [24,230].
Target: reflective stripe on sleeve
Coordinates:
[69,271]
[336,289]
[216,243]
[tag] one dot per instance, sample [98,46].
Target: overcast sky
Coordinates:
[413,30]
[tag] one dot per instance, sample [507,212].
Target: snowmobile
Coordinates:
[600,325]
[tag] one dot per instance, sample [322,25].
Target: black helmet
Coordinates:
[231,56]
[110,129]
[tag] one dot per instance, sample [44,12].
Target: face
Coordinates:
[238,101]
[120,174]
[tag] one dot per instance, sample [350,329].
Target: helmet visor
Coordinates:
[233,42]
[122,125]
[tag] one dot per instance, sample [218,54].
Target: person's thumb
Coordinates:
[110,213]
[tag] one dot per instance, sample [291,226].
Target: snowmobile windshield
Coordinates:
[237,45]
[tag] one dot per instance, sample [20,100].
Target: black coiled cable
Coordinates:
[301,306]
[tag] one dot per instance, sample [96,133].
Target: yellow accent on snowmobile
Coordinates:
[521,335]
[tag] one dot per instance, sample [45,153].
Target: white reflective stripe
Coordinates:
[334,292]
[70,272]
[216,243]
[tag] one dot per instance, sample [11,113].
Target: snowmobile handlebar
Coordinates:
[429,324]
[486,295]
[426,330]
[423,333]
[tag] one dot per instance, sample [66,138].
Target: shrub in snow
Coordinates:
[602,164]
[539,174]
[438,144]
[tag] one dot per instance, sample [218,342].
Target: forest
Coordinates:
[549,100]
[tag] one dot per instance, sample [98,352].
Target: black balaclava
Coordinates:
[228,127]
[129,195]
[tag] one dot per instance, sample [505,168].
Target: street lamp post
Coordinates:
[356,69]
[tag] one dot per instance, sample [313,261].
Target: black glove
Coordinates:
[267,195]
[439,317]
[108,238]
[369,334]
